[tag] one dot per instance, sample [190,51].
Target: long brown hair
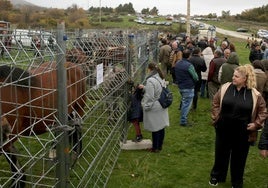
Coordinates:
[154,67]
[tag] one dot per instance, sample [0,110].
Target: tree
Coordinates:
[256,14]
[76,15]
[55,13]
[153,11]
[5,8]
[225,14]
[126,8]
[5,5]
[145,11]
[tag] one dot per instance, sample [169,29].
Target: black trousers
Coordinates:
[172,71]
[231,146]
[158,139]
[196,90]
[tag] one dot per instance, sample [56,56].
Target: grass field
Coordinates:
[188,152]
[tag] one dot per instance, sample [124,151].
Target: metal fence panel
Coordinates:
[97,123]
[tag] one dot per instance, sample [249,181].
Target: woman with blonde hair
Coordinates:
[238,111]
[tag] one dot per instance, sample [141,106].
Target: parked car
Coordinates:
[160,23]
[140,20]
[168,23]
[201,26]
[262,33]
[243,30]
[150,22]
[26,37]
[212,28]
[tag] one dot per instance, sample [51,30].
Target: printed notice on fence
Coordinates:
[99,73]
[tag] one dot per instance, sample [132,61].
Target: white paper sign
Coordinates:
[99,73]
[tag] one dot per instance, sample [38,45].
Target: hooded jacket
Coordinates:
[227,69]
[155,117]
[208,56]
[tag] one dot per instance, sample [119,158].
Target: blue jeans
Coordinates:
[187,96]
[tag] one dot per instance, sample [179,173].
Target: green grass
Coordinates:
[128,22]
[188,152]
[186,159]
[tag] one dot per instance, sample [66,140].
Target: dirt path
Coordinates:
[232,33]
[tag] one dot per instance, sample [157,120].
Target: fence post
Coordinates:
[62,169]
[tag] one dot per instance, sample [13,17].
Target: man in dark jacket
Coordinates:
[164,54]
[213,73]
[263,143]
[255,53]
[199,66]
[186,78]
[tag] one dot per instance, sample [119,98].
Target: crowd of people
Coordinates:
[238,95]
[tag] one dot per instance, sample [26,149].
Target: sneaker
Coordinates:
[137,138]
[213,182]
[186,124]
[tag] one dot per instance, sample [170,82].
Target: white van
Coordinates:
[25,37]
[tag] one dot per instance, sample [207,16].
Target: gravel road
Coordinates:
[232,33]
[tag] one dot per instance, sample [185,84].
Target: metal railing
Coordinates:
[76,146]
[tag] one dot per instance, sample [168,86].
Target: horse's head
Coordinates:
[5,130]
[76,55]
[17,75]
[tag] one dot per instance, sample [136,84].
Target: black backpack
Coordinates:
[166,96]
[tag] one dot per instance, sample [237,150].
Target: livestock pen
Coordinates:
[62,127]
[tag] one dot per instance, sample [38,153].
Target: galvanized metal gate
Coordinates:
[79,149]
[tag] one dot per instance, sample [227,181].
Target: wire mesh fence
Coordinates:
[98,68]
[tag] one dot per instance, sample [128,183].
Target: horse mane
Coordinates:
[18,75]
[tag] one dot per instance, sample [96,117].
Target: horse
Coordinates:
[28,103]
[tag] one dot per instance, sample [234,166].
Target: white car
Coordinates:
[25,37]
[21,36]
[262,33]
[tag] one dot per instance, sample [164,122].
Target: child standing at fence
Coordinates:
[135,115]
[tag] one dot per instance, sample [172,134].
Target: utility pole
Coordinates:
[188,18]
[100,11]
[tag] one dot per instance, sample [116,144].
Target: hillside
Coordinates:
[18,3]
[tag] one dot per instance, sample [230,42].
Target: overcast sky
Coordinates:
[164,6]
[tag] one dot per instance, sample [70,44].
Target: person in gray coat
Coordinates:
[155,118]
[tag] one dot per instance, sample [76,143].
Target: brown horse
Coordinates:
[28,104]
